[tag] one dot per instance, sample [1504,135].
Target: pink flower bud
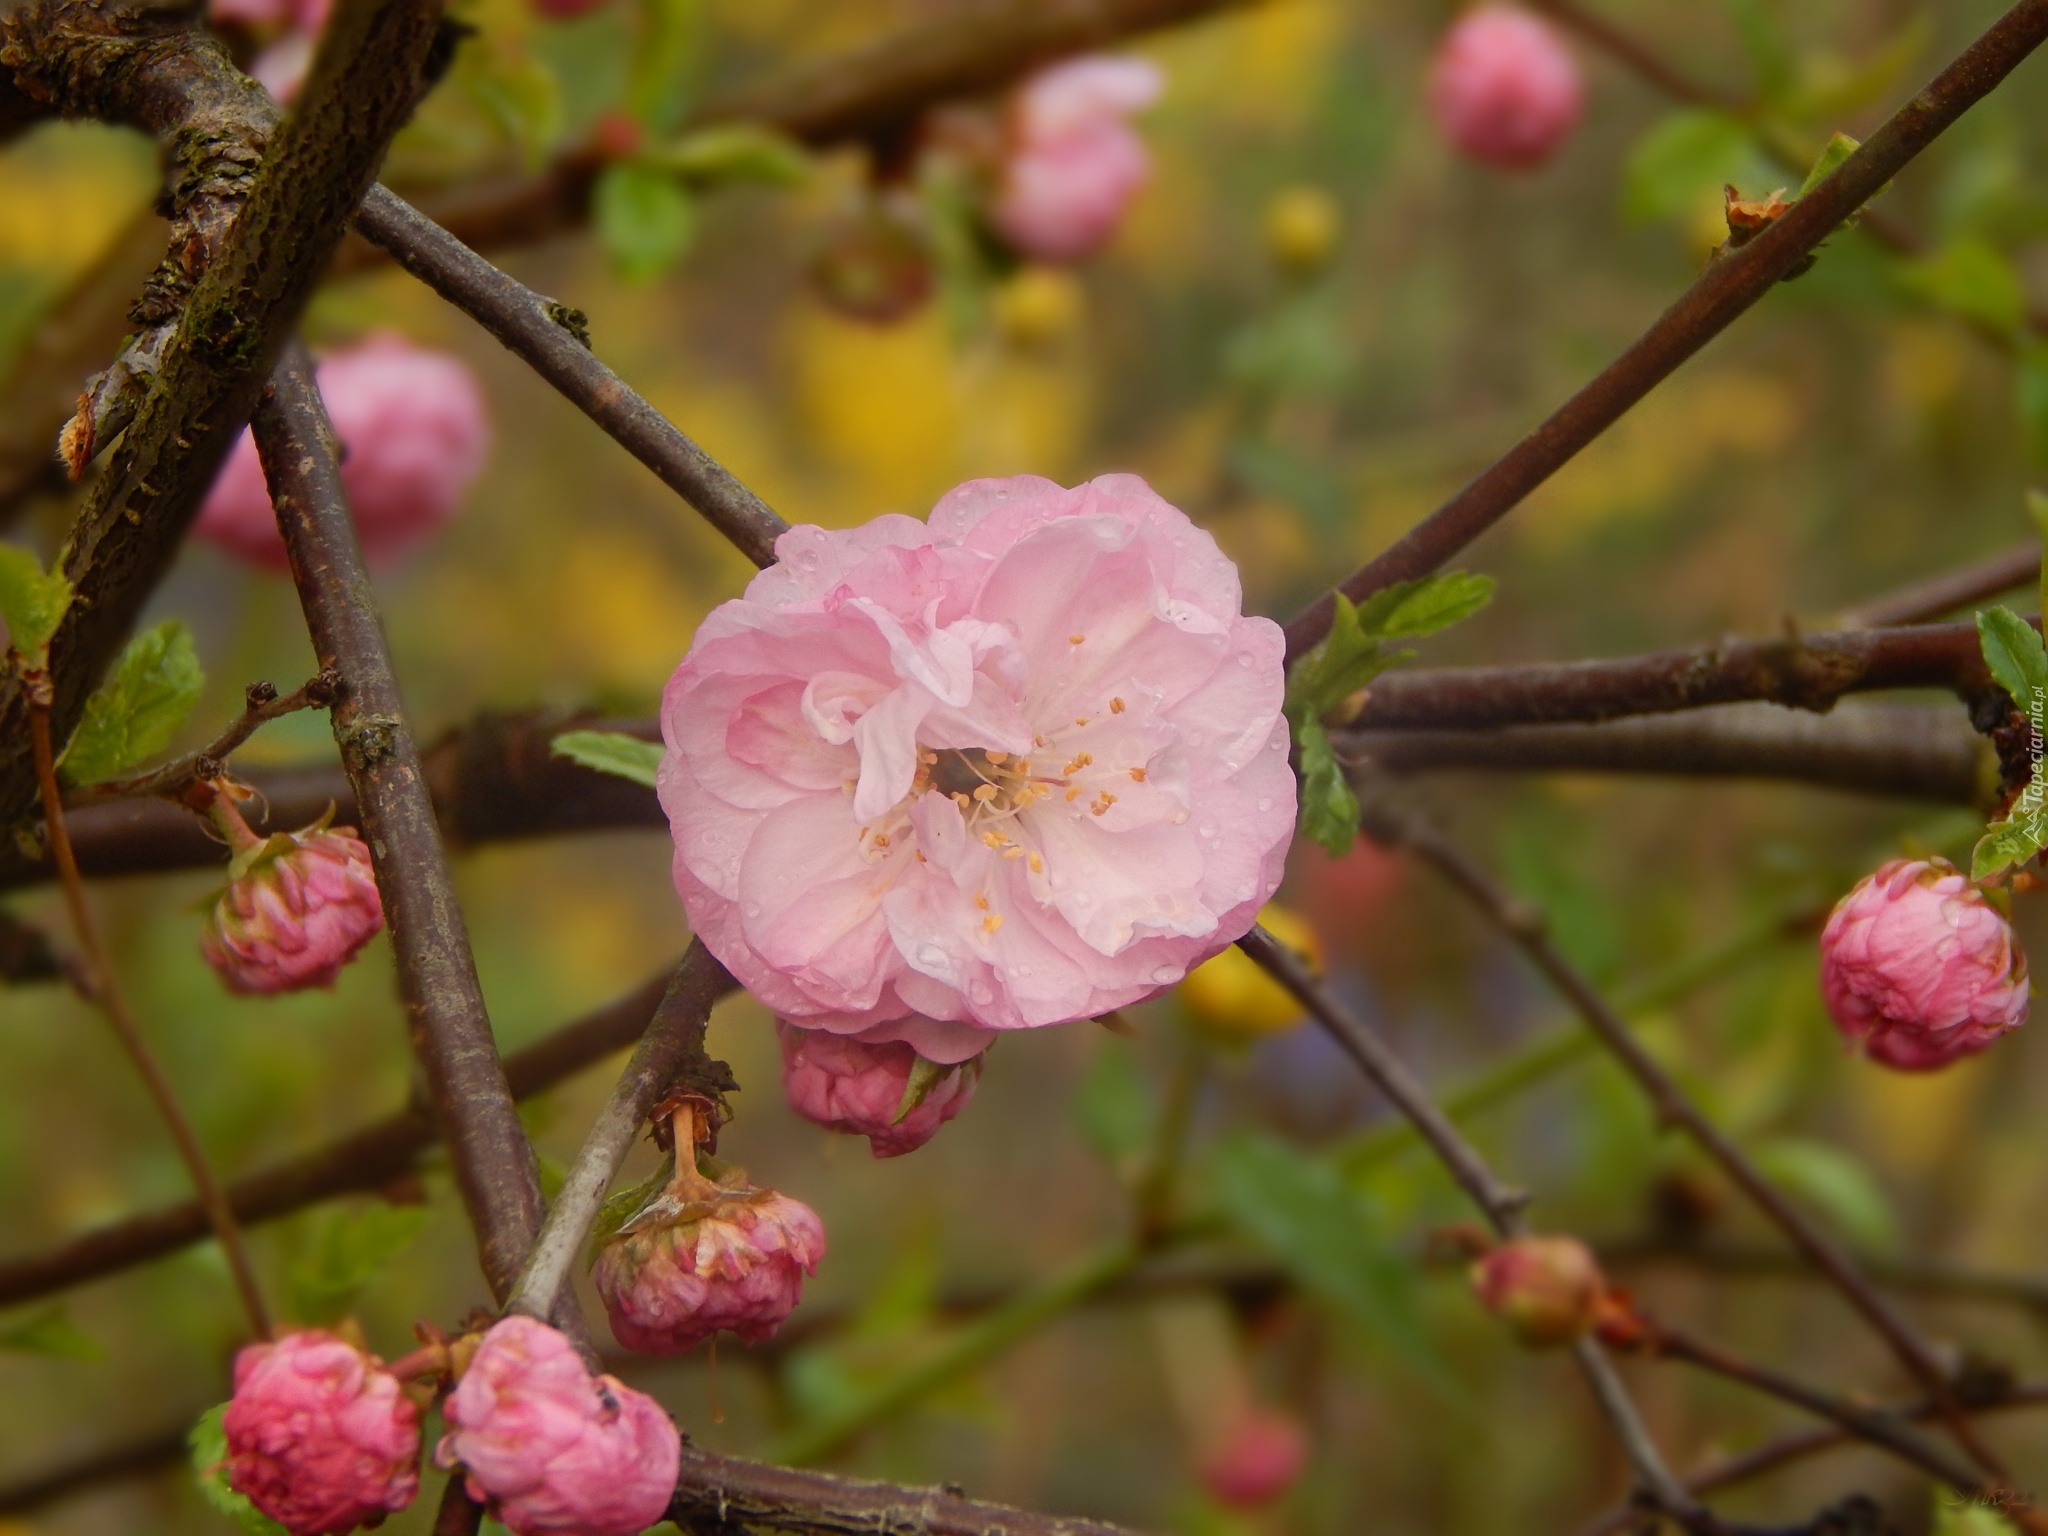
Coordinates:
[297,908]
[1548,1289]
[1260,1455]
[413,432]
[698,1255]
[551,1449]
[845,1084]
[1074,165]
[1919,969]
[320,1437]
[1504,89]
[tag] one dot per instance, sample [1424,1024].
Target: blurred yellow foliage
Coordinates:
[69,190]
[1231,1000]
[878,404]
[1912,1121]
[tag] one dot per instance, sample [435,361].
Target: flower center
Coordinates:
[986,784]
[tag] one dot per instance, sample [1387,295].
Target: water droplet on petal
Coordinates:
[1166,974]
[753,909]
[1265,803]
[931,956]
[1244,658]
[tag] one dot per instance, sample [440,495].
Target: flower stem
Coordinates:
[106,992]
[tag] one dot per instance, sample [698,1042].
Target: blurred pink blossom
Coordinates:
[1504,88]
[551,1449]
[1258,1458]
[1020,764]
[1919,969]
[320,1437]
[297,908]
[414,435]
[848,1085]
[1548,1289]
[1074,163]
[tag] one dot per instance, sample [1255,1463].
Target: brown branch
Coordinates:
[1939,596]
[550,339]
[154,69]
[451,1033]
[1909,752]
[1926,1277]
[1728,287]
[1389,824]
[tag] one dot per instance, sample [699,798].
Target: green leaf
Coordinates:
[1836,1185]
[1115,1105]
[736,152]
[2030,388]
[49,1332]
[135,713]
[1329,807]
[924,1077]
[1411,609]
[32,602]
[1301,1210]
[1957,1516]
[515,90]
[349,1250]
[2014,840]
[612,752]
[1973,280]
[1684,161]
[2014,653]
[1837,149]
[665,63]
[645,218]
[1350,655]
[209,1443]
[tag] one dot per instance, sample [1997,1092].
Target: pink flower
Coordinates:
[1260,1455]
[1504,89]
[847,1085]
[1919,969]
[280,66]
[414,433]
[1548,1289]
[297,907]
[553,1450]
[701,1255]
[1074,164]
[1021,764]
[320,1437]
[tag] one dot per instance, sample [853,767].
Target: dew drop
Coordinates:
[1206,829]
[1244,658]
[1165,974]
[753,909]
[931,956]
[1265,804]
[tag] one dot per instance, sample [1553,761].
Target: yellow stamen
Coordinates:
[992,922]
[1138,774]
[1116,706]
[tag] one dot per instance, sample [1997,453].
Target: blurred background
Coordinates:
[1316,322]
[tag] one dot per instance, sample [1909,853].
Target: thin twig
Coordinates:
[451,1032]
[1939,596]
[1722,294]
[107,994]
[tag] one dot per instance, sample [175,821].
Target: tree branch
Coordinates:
[1728,287]
[1939,596]
[451,1032]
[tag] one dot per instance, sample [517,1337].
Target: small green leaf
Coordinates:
[1836,1185]
[1411,609]
[1115,1105]
[514,88]
[1301,1210]
[32,602]
[1955,1515]
[1329,807]
[645,218]
[209,1443]
[1837,149]
[734,152]
[1684,161]
[1339,664]
[134,714]
[924,1077]
[49,1332]
[349,1250]
[612,752]
[1973,280]
[2014,653]
[2014,840]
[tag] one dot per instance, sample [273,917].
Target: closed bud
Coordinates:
[1074,164]
[687,1255]
[320,1437]
[1919,969]
[886,1092]
[1232,1000]
[1548,1289]
[1301,229]
[298,906]
[1038,307]
[877,264]
[1504,89]
[552,1450]
[1258,1457]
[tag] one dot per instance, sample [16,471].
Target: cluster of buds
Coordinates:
[549,1448]
[885,1092]
[699,1249]
[297,906]
[1919,969]
[1504,89]
[321,1438]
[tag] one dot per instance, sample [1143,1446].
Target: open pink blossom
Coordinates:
[1919,969]
[1504,89]
[298,906]
[1257,1459]
[1020,764]
[848,1085]
[414,434]
[320,1437]
[551,1449]
[1074,164]
[703,1255]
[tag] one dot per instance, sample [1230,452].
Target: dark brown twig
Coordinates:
[1939,596]
[1722,294]
[451,1033]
